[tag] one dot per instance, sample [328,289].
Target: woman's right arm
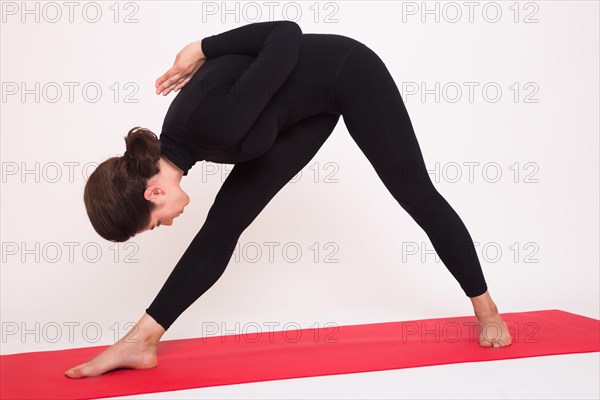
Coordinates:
[230,115]
[275,44]
[248,39]
[187,62]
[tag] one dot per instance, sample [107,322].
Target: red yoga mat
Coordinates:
[243,358]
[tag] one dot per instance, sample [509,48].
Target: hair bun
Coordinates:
[143,149]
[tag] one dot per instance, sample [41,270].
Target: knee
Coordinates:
[414,192]
[414,197]
[409,182]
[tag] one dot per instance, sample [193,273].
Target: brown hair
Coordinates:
[114,192]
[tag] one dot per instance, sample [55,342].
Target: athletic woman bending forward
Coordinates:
[264,97]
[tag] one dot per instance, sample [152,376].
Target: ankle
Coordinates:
[484,305]
[142,337]
[485,311]
[146,332]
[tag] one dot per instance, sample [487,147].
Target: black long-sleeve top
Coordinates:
[257,80]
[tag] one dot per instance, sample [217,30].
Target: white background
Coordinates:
[542,213]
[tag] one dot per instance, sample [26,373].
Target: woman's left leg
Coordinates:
[247,190]
[244,194]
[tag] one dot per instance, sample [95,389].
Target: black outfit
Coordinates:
[266,99]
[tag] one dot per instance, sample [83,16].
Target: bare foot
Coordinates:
[494,331]
[137,350]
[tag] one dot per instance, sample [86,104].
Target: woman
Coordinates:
[265,97]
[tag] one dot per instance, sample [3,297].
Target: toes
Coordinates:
[73,373]
[77,372]
[502,343]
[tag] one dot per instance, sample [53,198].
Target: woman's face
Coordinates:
[170,201]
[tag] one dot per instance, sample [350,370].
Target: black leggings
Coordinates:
[376,118]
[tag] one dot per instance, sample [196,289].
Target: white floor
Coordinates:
[571,376]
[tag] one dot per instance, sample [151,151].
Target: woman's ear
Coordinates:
[153,193]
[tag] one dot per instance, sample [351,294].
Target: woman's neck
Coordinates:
[170,168]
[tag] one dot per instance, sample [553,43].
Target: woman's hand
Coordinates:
[187,62]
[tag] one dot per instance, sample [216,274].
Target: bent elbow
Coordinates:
[290,26]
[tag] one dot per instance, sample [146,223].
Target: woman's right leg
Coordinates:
[377,120]
[247,190]
[374,113]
